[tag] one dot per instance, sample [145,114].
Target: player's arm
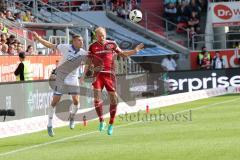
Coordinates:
[88,63]
[133,51]
[87,66]
[43,41]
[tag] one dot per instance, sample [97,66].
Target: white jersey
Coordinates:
[68,52]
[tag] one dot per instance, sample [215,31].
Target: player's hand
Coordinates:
[139,47]
[98,68]
[35,36]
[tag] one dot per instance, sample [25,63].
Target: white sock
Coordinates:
[74,109]
[51,111]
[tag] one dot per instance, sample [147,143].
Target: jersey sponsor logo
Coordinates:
[102,52]
[109,46]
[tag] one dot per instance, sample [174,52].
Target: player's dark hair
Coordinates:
[76,36]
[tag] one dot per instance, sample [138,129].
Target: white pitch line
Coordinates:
[120,126]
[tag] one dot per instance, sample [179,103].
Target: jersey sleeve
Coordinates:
[117,49]
[62,48]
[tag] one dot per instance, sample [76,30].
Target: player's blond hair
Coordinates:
[100,29]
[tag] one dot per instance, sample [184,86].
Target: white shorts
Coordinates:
[70,86]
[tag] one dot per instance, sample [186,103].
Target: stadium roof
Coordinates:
[154,51]
[52,25]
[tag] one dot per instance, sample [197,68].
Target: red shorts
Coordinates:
[107,80]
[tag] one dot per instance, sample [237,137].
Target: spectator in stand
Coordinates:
[3,5]
[195,7]
[34,19]
[3,29]
[201,55]
[170,12]
[29,3]
[27,17]
[11,50]
[113,5]
[18,17]
[4,41]
[168,63]
[30,50]
[206,61]
[217,61]
[20,47]
[75,5]
[85,6]
[183,12]
[93,3]
[9,16]
[11,39]
[194,22]
[15,43]
[121,11]
[2,15]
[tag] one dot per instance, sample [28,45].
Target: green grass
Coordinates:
[213,133]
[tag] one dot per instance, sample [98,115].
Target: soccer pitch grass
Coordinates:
[212,133]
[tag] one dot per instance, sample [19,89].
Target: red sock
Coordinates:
[113,110]
[99,110]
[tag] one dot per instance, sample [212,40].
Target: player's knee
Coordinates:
[53,104]
[114,100]
[97,99]
[75,102]
[97,102]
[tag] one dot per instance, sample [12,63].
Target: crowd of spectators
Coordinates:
[84,5]
[10,45]
[17,17]
[122,7]
[185,13]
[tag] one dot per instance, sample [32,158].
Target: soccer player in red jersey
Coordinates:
[105,51]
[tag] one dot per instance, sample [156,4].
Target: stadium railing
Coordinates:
[47,13]
[166,28]
[69,5]
[216,43]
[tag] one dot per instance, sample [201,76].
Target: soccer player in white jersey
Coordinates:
[67,51]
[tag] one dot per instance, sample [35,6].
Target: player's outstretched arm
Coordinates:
[134,51]
[43,41]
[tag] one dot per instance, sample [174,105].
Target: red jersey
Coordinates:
[103,54]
